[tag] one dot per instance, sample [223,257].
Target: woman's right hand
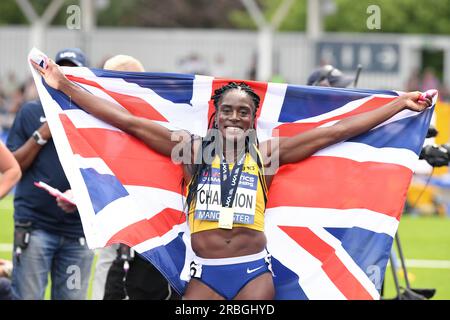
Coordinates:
[52,74]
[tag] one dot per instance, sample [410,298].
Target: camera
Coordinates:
[431,132]
[436,155]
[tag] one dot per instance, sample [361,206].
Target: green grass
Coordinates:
[6,223]
[425,237]
[422,238]
[6,236]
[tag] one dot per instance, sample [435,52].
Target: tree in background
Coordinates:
[172,13]
[294,21]
[140,13]
[397,16]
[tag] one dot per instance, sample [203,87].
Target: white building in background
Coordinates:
[387,59]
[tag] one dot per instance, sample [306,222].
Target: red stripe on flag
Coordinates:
[291,129]
[76,141]
[338,273]
[131,161]
[376,186]
[143,230]
[134,105]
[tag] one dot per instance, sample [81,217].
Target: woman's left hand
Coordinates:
[411,101]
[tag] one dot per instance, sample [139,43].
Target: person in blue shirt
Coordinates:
[48,238]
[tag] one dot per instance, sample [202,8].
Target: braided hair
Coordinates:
[218,93]
[251,143]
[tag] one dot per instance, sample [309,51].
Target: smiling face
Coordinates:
[235,114]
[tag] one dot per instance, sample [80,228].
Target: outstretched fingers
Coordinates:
[51,73]
[428,102]
[423,104]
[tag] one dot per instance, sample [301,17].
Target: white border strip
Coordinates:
[71,170]
[328,217]
[362,152]
[181,115]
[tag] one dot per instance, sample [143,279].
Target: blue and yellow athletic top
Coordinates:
[249,203]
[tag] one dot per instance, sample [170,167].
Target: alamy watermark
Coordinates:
[373,22]
[73,21]
[74,280]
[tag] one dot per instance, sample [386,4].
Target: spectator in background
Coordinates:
[120,274]
[429,80]
[193,64]
[11,97]
[11,84]
[253,67]
[219,68]
[329,76]
[48,239]
[11,103]
[413,82]
[30,91]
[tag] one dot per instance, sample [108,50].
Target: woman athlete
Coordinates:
[225,179]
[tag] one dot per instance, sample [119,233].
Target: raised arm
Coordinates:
[152,134]
[303,145]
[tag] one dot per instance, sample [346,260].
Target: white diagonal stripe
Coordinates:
[307,267]
[182,115]
[362,152]
[347,260]
[141,203]
[328,218]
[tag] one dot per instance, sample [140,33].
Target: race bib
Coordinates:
[209,204]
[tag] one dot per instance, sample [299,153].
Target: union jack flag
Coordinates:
[330,219]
